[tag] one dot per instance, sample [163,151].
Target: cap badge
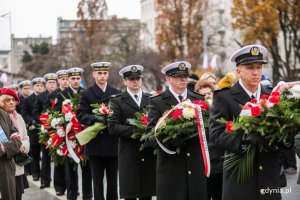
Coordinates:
[254,51]
[133,69]
[182,66]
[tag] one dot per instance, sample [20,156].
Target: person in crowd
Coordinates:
[25,89]
[14,87]
[8,102]
[215,179]
[133,164]
[210,77]
[59,176]
[193,78]
[266,82]
[74,79]
[10,146]
[227,81]
[38,108]
[206,89]
[179,176]
[227,105]
[27,107]
[24,92]
[102,150]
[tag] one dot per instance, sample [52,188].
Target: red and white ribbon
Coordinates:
[69,146]
[201,134]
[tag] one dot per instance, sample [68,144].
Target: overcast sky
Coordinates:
[32,18]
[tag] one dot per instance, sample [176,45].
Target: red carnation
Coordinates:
[202,104]
[229,127]
[144,119]
[274,99]
[264,96]
[275,94]
[57,140]
[177,113]
[253,101]
[255,111]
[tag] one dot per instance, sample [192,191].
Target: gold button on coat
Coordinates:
[260,167]
[188,154]
[189,172]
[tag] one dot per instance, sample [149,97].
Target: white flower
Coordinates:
[188,113]
[68,116]
[43,129]
[67,101]
[61,132]
[295,90]
[59,152]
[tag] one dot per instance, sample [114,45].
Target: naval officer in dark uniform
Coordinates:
[227,104]
[24,92]
[74,79]
[35,146]
[38,108]
[102,150]
[59,175]
[62,80]
[136,168]
[179,176]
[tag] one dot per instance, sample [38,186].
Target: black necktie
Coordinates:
[252,96]
[136,96]
[180,98]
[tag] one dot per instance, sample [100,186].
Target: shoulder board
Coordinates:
[223,89]
[115,95]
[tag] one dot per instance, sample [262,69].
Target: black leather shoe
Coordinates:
[59,193]
[43,185]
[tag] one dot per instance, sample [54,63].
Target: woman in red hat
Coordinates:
[8,102]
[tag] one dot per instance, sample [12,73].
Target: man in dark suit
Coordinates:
[74,78]
[35,146]
[227,104]
[102,150]
[136,168]
[179,176]
[38,108]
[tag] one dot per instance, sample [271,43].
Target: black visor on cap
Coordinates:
[249,58]
[133,74]
[177,72]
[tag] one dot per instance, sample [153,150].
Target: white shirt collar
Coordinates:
[75,91]
[184,94]
[257,93]
[139,94]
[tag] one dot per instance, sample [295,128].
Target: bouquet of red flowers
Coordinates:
[64,126]
[179,123]
[140,123]
[275,118]
[91,132]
